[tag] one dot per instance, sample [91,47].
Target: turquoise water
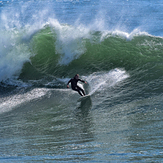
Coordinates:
[116,46]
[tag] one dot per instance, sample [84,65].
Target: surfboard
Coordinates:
[83,97]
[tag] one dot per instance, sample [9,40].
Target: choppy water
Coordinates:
[116,46]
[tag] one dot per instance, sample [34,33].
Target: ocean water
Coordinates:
[116,46]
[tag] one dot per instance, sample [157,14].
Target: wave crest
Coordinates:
[62,50]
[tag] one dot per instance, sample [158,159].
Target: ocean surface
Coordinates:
[114,45]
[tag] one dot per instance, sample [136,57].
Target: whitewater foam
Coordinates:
[10,102]
[70,43]
[102,80]
[13,55]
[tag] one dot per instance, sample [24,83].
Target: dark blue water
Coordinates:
[116,46]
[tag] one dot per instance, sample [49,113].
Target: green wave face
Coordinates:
[65,51]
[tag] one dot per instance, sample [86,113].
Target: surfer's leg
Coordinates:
[80,93]
[80,89]
[76,89]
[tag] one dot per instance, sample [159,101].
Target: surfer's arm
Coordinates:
[82,81]
[68,83]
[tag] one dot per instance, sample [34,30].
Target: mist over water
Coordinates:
[116,46]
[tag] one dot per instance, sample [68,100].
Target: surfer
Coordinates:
[74,85]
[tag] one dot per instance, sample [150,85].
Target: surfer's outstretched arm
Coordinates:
[68,83]
[82,81]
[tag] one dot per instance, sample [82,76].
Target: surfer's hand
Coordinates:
[85,82]
[67,86]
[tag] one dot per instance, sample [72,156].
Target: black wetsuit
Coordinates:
[75,87]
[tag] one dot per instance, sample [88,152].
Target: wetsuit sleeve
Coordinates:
[69,82]
[81,80]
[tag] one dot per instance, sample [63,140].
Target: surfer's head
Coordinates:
[76,76]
